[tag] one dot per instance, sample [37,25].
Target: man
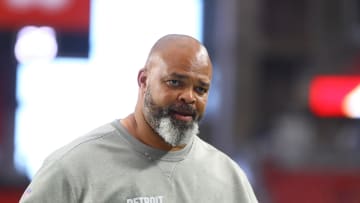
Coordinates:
[153,155]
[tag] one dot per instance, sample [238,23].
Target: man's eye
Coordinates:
[201,90]
[174,83]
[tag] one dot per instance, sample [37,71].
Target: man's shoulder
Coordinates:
[205,150]
[218,162]
[208,149]
[83,145]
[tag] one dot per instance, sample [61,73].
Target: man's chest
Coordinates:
[155,185]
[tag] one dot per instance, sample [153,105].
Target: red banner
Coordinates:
[64,15]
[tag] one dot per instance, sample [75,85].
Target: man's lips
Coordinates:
[184,116]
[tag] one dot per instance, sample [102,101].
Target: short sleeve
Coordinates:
[51,184]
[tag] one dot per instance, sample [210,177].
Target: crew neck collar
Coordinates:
[150,152]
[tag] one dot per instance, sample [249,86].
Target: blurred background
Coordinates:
[284,102]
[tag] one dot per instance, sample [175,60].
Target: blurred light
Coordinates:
[35,44]
[62,15]
[352,103]
[335,96]
[46,4]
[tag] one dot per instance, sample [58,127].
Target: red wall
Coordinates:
[312,185]
[10,195]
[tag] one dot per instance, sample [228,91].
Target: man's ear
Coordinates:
[142,77]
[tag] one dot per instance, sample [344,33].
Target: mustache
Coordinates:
[185,109]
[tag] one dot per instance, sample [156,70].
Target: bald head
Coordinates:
[177,41]
[177,47]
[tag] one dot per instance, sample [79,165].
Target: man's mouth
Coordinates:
[183,115]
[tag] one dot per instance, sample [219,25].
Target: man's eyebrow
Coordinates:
[179,76]
[204,84]
[183,77]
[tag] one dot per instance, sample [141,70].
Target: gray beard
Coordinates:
[172,131]
[173,135]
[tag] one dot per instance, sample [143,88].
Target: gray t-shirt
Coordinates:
[110,165]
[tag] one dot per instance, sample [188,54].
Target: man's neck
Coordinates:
[139,128]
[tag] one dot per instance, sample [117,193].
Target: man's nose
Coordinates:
[188,96]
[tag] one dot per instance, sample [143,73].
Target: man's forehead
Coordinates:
[186,64]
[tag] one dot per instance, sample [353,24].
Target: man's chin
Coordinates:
[175,132]
[182,125]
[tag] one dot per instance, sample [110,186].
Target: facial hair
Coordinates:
[172,131]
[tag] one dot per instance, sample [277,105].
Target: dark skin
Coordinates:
[178,70]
